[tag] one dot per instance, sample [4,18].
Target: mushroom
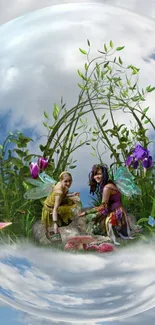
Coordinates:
[91,247]
[105,247]
[78,242]
[4,224]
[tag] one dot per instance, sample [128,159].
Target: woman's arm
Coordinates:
[72,194]
[106,195]
[103,208]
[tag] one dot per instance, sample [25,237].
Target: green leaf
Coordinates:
[45,114]
[10,133]
[83,87]
[86,66]
[146,109]
[115,106]
[104,123]
[142,220]
[111,44]
[45,124]
[105,65]
[17,162]
[25,185]
[120,60]
[1,147]
[20,153]
[120,48]
[98,70]
[72,167]
[149,89]
[56,112]
[82,51]
[146,121]
[134,69]
[102,117]
[104,103]
[42,148]
[128,81]
[105,48]
[81,75]
[88,42]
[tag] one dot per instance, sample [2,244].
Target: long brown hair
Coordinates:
[94,186]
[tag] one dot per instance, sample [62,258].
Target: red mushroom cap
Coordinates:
[105,247]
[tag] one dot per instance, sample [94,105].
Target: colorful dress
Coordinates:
[68,208]
[111,212]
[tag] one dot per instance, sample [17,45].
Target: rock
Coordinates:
[68,231]
[75,228]
[38,231]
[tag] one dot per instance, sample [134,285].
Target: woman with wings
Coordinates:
[111,215]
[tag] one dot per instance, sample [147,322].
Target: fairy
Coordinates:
[60,206]
[111,215]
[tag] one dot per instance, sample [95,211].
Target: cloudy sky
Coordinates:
[39,58]
[73,289]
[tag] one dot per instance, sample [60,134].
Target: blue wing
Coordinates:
[124,180]
[43,188]
[32,181]
[46,178]
[151,221]
[39,192]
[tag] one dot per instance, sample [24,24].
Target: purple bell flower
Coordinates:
[147,162]
[43,163]
[140,153]
[129,160]
[34,169]
[135,164]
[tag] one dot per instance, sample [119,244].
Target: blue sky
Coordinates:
[45,286]
[38,62]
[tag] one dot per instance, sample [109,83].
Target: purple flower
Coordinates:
[43,163]
[140,153]
[147,162]
[34,170]
[135,164]
[129,160]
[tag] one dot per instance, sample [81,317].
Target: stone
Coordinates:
[75,228]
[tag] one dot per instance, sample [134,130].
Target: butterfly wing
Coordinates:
[5,224]
[32,181]
[151,221]
[124,180]
[39,192]
[46,178]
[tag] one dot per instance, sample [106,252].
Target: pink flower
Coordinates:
[34,170]
[43,163]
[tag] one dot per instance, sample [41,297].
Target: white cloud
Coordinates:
[70,288]
[40,56]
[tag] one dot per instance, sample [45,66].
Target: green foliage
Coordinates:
[106,87]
